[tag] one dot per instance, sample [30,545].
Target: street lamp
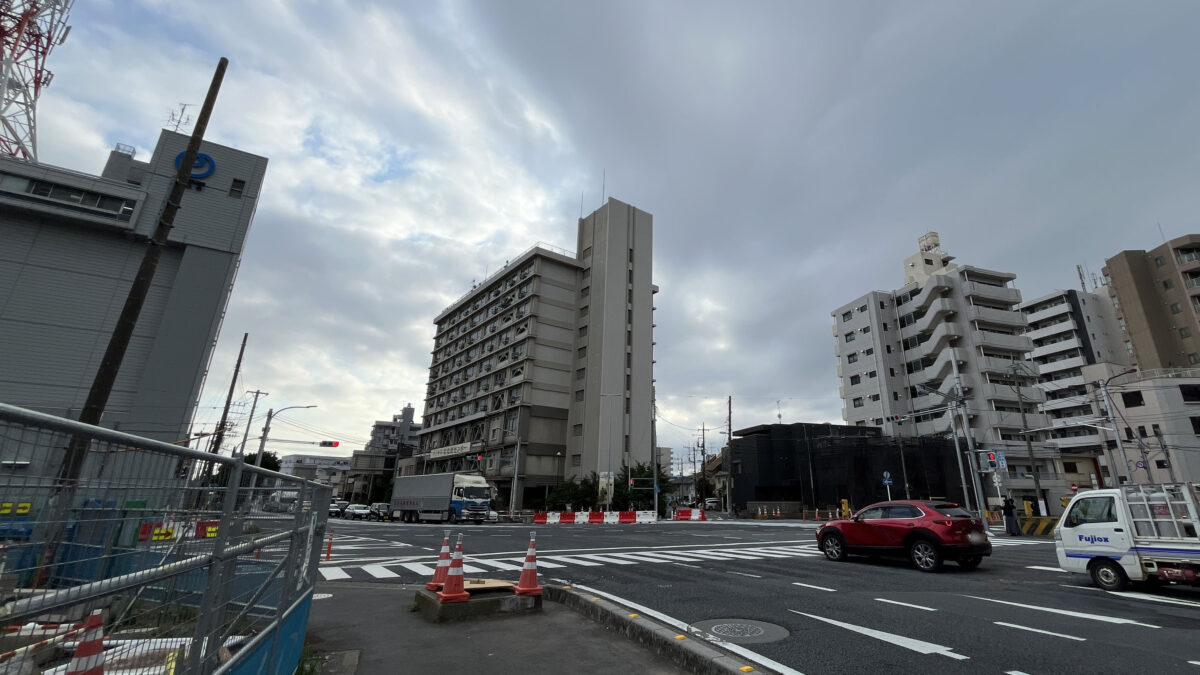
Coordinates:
[512,497]
[262,442]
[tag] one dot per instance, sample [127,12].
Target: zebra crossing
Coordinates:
[409,571]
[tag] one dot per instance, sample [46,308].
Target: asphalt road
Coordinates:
[764,589]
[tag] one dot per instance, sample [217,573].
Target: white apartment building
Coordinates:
[1070,330]
[948,326]
[544,370]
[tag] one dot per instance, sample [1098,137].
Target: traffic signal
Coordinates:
[991,459]
[631,481]
[897,419]
[329,444]
[478,458]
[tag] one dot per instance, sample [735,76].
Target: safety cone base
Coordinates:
[453,597]
[536,590]
[434,586]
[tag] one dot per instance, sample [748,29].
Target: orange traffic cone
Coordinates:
[453,591]
[443,565]
[778,512]
[89,654]
[528,585]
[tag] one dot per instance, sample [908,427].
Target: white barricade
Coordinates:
[612,517]
[552,518]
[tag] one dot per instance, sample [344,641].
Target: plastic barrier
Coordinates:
[566,518]
[626,517]
[611,518]
[595,517]
[646,517]
[552,518]
[539,518]
[683,514]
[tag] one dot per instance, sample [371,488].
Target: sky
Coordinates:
[790,153]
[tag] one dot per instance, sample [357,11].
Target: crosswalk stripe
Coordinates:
[774,553]
[541,561]
[419,568]
[498,564]
[570,560]
[607,558]
[334,573]
[728,555]
[672,556]
[641,557]
[379,571]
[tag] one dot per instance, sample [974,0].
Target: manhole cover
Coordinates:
[741,631]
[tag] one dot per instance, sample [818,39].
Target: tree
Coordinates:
[641,498]
[270,461]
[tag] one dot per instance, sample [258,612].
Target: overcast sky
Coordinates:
[791,153]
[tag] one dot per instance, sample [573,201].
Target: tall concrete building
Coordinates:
[905,353]
[70,245]
[372,467]
[1157,298]
[544,370]
[1070,330]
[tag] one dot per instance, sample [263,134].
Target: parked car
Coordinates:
[335,511]
[341,505]
[357,512]
[380,511]
[928,533]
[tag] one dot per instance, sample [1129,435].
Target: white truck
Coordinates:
[1132,533]
[441,497]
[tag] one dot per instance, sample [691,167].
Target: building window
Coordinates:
[1070,467]
[583,331]
[874,397]
[581,373]
[1129,433]
[863,308]
[858,402]
[236,188]
[1190,393]
[895,396]
[1167,285]
[587,253]
[849,336]
[882,305]
[1141,431]
[1160,463]
[1175,308]
[577,430]
[1158,261]
[865,329]
[630,255]
[583,311]
[1185,333]
[846,316]
[868,351]
[887,349]
[852,357]
[855,379]
[891,372]
[582,352]
[1193,358]
[579,395]
[885,325]
[1132,399]
[872,374]
[576,460]
[585,291]
[1195,425]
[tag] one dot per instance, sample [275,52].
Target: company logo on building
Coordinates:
[203,168]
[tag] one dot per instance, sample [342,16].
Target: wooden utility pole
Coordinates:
[1037,483]
[237,369]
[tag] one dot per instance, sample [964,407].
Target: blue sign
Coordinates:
[203,168]
[887,481]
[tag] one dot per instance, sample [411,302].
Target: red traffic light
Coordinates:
[991,456]
[479,458]
[630,482]
[329,444]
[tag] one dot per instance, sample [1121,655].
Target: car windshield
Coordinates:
[951,510]
[475,493]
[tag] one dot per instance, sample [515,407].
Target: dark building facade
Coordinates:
[818,465]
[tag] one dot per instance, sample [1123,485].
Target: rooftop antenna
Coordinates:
[1160,232]
[180,118]
[581,204]
[603,185]
[778,412]
[1082,279]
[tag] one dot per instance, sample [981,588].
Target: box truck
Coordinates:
[441,497]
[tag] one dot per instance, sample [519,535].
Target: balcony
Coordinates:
[1003,392]
[1043,314]
[1054,348]
[942,336]
[993,315]
[1066,403]
[991,364]
[999,294]
[941,368]
[1016,343]
[1073,363]
[935,314]
[933,289]
[1076,442]
[1068,326]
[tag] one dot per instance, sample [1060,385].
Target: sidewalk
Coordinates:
[375,619]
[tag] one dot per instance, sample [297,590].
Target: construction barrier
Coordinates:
[1040,526]
[690,514]
[598,517]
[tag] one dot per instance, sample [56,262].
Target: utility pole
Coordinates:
[246,431]
[727,460]
[654,447]
[1112,462]
[58,506]
[1162,443]
[972,459]
[1116,432]
[237,369]
[1037,483]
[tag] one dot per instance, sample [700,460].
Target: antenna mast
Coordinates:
[29,29]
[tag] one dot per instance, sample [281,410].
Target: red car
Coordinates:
[928,533]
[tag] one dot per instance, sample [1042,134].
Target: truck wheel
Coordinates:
[450,517]
[1108,575]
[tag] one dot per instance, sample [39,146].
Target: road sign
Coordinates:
[887,474]
[996,479]
[1001,462]
[887,481]
[1074,487]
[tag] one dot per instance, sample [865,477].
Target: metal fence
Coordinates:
[197,563]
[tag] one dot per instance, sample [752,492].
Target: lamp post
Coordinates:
[262,442]
[512,497]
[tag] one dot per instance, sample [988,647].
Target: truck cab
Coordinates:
[472,498]
[1133,533]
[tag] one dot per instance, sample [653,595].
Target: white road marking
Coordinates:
[1067,612]
[919,646]
[672,556]
[1086,588]
[1042,567]
[1194,663]
[905,604]
[607,559]
[572,561]
[498,564]
[423,570]
[819,588]
[1039,630]
[695,567]
[724,555]
[745,574]
[379,571]
[1155,598]
[1014,672]
[685,628]
[640,557]
[773,553]
[541,563]
[334,573]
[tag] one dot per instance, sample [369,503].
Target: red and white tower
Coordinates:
[29,29]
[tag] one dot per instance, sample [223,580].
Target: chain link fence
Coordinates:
[197,563]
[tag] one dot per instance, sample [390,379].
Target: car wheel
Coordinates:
[1108,575]
[834,547]
[925,555]
[970,562]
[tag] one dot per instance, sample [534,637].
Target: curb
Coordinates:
[691,654]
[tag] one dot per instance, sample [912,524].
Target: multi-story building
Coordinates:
[372,467]
[1157,414]
[70,246]
[950,330]
[543,371]
[1156,294]
[313,467]
[1072,329]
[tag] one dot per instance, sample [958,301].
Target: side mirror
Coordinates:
[856,518]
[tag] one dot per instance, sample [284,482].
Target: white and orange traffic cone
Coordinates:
[443,565]
[453,591]
[528,584]
[89,653]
